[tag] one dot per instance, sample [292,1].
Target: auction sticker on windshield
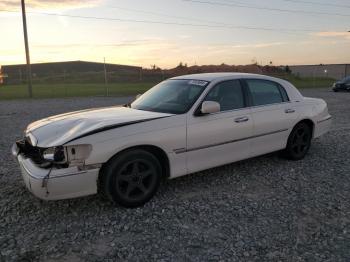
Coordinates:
[198,82]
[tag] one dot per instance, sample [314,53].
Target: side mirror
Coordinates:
[209,107]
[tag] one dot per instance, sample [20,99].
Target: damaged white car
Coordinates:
[182,125]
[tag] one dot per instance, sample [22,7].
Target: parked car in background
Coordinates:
[342,85]
[183,125]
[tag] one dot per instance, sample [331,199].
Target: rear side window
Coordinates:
[284,94]
[228,94]
[265,92]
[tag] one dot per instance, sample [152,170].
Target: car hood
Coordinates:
[60,129]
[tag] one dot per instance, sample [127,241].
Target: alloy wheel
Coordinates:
[136,179]
[300,141]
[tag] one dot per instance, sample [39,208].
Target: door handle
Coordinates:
[241,119]
[289,111]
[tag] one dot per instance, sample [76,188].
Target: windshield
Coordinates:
[171,96]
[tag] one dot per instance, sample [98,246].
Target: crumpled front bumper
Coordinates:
[54,184]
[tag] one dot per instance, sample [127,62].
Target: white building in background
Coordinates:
[336,71]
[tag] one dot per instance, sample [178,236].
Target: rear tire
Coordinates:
[299,142]
[131,179]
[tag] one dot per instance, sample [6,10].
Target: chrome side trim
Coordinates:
[180,150]
[323,120]
[183,150]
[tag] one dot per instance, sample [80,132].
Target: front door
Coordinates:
[222,137]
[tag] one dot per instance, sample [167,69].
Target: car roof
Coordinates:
[221,76]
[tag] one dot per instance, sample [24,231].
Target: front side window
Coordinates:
[264,92]
[171,96]
[228,94]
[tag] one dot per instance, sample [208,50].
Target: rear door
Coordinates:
[273,115]
[222,137]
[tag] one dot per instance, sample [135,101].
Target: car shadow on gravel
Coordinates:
[236,176]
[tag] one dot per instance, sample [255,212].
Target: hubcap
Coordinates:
[136,179]
[300,141]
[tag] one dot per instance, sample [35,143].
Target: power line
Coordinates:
[316,3]
[299,2]
[227,26]
[165,15]
[198,19]
[294,11]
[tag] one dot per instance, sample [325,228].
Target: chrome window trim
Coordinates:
[243,87]
[245,108]
[287,102]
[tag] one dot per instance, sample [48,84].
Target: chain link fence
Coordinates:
[68,83]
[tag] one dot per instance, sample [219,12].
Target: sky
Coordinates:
[167,32]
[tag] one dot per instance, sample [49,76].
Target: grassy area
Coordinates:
[308,82]
[119,89]
[73,90]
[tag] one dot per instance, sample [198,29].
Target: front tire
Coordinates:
[299,142]
[132,178]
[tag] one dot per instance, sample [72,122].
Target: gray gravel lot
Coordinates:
[263,209]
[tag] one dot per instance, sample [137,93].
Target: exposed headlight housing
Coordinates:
[55,155]
[69,155]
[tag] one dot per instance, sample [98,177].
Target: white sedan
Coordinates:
[182,125]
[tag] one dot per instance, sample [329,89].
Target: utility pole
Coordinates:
[105,71]
[29,69]
[140,75]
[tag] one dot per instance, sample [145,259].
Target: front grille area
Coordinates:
[29,151]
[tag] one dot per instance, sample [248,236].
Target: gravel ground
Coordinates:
[263,209]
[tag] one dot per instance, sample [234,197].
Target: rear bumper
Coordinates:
[56,183]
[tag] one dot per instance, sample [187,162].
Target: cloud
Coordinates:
[246,46]
[123,43]
[259,45]
[333,34]
[55,4]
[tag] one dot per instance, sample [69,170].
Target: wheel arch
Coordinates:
[309,122]
[158,152]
